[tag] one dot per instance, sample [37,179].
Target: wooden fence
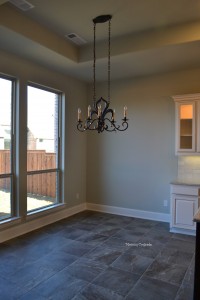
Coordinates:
[4,169]
[39,184]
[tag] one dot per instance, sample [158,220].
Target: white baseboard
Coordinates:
[20,228]
[33,224]
[128,212]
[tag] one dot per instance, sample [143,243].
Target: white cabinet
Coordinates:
[184,209]
[184,204]
[187,124]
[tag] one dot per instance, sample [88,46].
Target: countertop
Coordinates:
[186,182]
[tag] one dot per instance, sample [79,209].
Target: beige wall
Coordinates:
[133,169]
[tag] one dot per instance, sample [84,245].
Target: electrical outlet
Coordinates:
[77,196]
[165,203]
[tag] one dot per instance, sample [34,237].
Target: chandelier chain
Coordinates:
[101,117]
[94,67]
[109,30]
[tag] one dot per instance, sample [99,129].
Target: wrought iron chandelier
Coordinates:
[100,116]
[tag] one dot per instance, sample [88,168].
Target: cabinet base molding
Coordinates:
[183,231]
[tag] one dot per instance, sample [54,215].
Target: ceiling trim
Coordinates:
[19,23]
[173,35]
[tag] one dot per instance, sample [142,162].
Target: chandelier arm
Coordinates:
[87,125]
[112,127]
[118,127]
[80,126]
[91,123]
[99,127]
[124,124]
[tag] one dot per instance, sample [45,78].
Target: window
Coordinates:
[43,148]
[44,155]
[6,148]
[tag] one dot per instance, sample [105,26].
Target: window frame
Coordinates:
[12,173]
[59,156]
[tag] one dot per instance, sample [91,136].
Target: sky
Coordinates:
[5,101]
[41,112]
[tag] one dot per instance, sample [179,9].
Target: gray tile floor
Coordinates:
[98,256]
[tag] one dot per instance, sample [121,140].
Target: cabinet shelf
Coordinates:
[187,124]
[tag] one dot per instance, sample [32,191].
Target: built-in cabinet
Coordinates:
[185,195]
[187,124]
[184,204]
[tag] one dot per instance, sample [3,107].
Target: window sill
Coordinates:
[4,224]
[45,211]
[10,222]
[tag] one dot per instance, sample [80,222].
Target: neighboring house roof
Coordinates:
[4,131]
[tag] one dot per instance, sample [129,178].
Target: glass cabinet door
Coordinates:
[186,126]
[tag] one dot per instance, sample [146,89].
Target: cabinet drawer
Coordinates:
[185,190]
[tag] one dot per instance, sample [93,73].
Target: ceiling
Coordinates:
[148,36]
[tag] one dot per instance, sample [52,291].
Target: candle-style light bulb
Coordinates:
[99,110]
[89,112]
[113,116]
[125,111]
[79,114]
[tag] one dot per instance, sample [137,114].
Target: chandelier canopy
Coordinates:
[100,116]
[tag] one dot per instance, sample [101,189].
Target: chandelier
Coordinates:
[100,116]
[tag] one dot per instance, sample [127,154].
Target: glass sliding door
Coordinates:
[43,144]
[6,148]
